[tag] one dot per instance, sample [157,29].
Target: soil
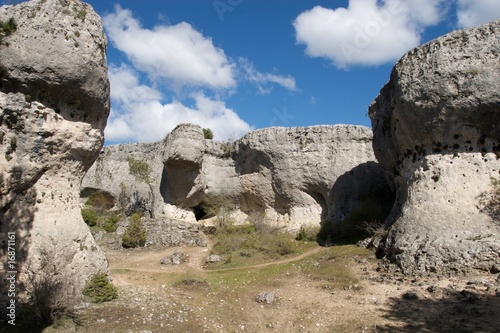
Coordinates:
[321,290]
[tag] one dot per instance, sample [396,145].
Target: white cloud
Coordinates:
[476,12]
[263,80]
[177,53]
[138,113]
[367,32]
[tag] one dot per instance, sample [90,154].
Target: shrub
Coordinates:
[111,222]
[90,217]
[275,243]
[227,148]
[124,198]
[8,27]
[134,235]
[99,289]
[307,233]
[100,200]
[208,134]
[139,169]
[257,236]
[222,208]
[50,297]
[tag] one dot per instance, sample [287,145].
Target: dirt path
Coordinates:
[337,294]
[149,261]
[309,253]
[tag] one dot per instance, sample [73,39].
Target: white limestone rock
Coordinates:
[436,129]
[54,102]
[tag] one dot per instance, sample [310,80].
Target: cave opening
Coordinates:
[199,212]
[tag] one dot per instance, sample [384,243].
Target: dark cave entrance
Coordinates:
[199,212]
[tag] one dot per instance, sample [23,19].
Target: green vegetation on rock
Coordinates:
[208,134]
[139,169]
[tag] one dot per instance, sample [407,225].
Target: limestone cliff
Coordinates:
[436,128]
[295,176]
[54,103]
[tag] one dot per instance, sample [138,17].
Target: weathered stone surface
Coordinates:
[265,298]
[111,173]
[436,128]
[295,176]
[58,57]
[213,258]
[54,102]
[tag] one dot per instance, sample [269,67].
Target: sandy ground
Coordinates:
[151,301]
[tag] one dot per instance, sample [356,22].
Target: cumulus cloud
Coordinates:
[476,12]
[138,113]
[264,80]
[177,53]
[179,62]
[367,32]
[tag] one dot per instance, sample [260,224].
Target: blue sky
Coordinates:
[239,65]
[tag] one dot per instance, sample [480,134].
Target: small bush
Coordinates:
[111,222]
[276,243]
[139,169]
[227,148]
[256,237]
[99,289]
[208,134]
[307,233]
[90,217]
[50,297]
[135,234]
[123,198]
[8,27]
[222,208]
[101,201]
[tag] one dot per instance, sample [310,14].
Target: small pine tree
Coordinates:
[134,235]
[99,289]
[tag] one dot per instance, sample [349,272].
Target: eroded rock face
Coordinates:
[284,175]
[436,129]
[54,102]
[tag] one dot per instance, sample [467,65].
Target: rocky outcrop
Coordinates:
[54,102]
[436,129]
[286,176]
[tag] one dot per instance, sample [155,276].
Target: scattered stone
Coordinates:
[166,260]
[265,298]
[213,258]
[176,258]
[432,289]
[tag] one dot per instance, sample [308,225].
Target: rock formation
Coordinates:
[286,175]
[436,129]
[54,103]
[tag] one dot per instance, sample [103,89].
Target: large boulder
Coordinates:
[436,129]
[54,103]
[284,176]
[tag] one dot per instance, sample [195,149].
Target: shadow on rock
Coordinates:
[360,199]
